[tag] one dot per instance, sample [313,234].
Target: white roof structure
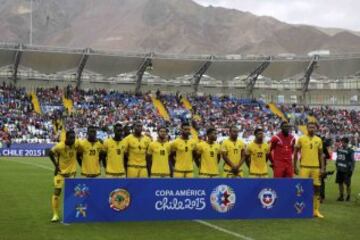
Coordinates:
[111,64]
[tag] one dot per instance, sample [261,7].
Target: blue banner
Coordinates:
[23,152]
[26,150]
[112,200]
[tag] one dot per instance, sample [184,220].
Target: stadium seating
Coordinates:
[103,108]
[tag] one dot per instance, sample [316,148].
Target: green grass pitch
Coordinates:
[26,185]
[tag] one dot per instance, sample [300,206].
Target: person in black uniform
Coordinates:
[345,164]
[326,144]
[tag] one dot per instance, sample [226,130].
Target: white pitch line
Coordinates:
[29,163]
[210,225]
[220,229]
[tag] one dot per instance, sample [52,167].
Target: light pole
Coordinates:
[31,22]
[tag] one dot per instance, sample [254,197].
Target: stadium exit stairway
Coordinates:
[161,108]
[35,102]
[302,128]
[186,103]
[68,104]
[274,109]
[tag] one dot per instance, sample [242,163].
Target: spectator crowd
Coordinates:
[102,108]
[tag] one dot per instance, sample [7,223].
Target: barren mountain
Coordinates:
[166,26]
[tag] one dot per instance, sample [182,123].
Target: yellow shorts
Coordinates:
[205,175]
[90,175]
[309,172]
[183,174]
[59,180]
[137,172]
[160,175]
[115,175]
[230,174]
[258,175]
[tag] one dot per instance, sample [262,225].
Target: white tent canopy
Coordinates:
[112,63]
[50,62]
[111,66]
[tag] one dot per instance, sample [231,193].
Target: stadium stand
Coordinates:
[102,108]
[84,87]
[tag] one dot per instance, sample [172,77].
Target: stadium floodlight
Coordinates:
[31,23]
[199,74]
[140,73]
[253,76]
[309,70]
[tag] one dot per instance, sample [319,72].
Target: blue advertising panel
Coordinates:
[25,150]
[112,200]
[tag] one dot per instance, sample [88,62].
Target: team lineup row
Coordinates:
[162,158]
[136,155]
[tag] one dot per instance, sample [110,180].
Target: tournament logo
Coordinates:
[267,198]
[299,190]
[119,199]
[299,206]
[81,210]
[222,198]
[81,191]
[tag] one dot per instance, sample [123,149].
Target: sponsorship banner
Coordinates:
[112,200]
[25,150]
[8,152]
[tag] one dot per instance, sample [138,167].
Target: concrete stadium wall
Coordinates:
[313,97]
[31,84]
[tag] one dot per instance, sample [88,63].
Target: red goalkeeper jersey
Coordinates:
[282,148]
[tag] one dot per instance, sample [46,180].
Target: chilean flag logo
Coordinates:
[267,198]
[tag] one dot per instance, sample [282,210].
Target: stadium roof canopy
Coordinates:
[111,63]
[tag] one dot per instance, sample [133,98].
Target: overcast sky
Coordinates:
[324,13]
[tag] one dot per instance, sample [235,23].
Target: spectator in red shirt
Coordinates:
[281,151]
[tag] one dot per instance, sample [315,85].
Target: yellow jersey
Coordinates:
[209,157]
[136,148]
[91,157]
[233,151]
[66,157]
[258,154]
[184,154]
[115,156]
[160,157]
[309,146]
